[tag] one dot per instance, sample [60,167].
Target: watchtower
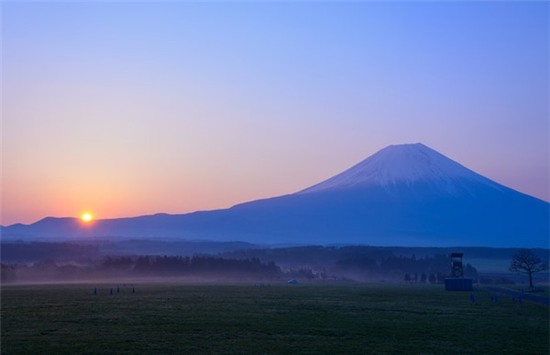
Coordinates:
[456,280]
[456,265]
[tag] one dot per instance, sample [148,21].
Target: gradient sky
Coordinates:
[127,109]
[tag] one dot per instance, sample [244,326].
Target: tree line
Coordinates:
[141,266]
[350,266]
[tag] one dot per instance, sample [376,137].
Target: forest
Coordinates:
[68,262]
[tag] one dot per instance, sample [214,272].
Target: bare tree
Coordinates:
[527,262]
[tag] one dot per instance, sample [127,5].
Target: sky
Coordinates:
[135,108]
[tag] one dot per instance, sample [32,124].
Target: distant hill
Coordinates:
[404,195]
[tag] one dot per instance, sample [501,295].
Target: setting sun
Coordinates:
[86,217]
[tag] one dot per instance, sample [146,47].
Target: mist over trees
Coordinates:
[305,263]
[110,267]
[87,260]
[362,263]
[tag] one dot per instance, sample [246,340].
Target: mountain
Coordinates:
[407,164]
[403,195]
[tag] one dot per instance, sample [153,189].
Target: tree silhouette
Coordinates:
[527,262]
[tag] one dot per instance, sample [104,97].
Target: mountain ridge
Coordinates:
[403,195]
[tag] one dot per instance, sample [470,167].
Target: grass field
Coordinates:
[281,318]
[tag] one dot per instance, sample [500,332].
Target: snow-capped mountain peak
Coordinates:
[407,195]
[404,164]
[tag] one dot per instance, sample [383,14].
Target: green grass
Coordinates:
[316,318]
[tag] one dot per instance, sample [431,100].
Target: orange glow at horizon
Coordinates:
[86,217]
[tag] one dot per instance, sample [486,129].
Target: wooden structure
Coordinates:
[456,265]
[457,281]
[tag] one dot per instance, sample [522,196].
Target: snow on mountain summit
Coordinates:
[404,164]
[404,195]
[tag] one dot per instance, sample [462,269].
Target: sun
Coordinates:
[86,217]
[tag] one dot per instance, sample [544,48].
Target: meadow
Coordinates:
[339,318]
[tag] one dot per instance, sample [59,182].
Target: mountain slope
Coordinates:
[406,195]
[405,164]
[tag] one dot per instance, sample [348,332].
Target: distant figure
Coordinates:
[472,298]
[111,291]
[117,289]
[133,290]
[95,290]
